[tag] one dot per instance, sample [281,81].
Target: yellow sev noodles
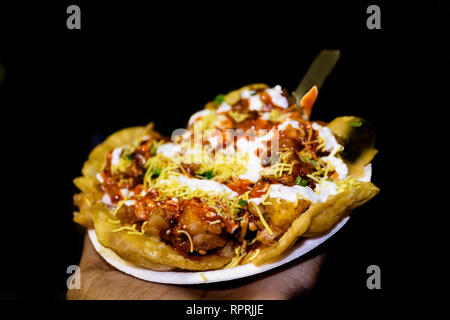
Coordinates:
[261,217]
[254,255]
[190,239]
[239,255]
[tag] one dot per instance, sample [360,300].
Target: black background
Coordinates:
[64,91]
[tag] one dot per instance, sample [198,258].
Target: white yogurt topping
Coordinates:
[224,107]
[339,166]
[130,203]
[124,192]
[116,156]
[265,116]
[245,94]
[276,94]
[253,168]
[290,193]
[320,194]
[106,199]
[169,149]
[253,164]
[293,123]
[331,143]
[257,201]
[325,189]
[255,103]
[333,147]
[99,178]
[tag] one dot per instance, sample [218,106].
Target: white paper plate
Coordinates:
[183,277]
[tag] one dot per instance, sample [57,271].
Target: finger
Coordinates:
[301,277]
[283,282]
[102,281]
[90,258]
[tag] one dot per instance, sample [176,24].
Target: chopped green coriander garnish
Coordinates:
[156,172]
[219,99]
[313,162]
[301,182]
[242,202]
[153,149]
[207,174]
[355,124]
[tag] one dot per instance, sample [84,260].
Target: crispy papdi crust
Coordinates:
[151,253]
[359,143]
[319,218]
[355,196]
[87,183]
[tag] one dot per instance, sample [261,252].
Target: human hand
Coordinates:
[101,281]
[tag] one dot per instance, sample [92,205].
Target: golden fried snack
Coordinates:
[249,177]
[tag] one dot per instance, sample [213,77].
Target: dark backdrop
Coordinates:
[64,91]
